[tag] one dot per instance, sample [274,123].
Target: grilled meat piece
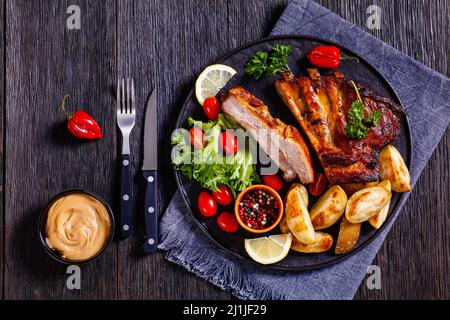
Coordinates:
[320,104]
[282,143]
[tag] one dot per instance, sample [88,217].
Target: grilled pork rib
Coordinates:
[320,105]
[282,143]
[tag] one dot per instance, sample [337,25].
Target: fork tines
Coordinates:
[125,96]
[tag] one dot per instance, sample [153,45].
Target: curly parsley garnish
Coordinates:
[357,125]
[257,64]
[373,119]
[271,63]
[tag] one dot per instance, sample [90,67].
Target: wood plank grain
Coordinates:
[163,45]
[2,109]
[414,257]
[44,61]
[264,15]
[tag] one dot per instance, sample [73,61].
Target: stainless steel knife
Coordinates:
[150,173]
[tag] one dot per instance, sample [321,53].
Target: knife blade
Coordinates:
[150,161]
[150,173]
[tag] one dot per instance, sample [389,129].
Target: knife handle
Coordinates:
[151,211]
[126,198]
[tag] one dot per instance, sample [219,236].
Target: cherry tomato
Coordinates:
[196,136]
[223,196]
[206,204]
[228,142]
[227,222]
[273,181]
[318,186]
[211,106]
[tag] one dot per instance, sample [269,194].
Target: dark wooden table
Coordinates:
[166,43]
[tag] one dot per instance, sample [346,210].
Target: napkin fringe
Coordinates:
[204,264]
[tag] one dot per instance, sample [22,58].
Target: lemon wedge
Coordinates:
[268,250]
[211,80]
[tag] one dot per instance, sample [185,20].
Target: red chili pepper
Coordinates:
[81,124]
[326,57]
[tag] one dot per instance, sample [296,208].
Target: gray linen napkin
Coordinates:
[425,95]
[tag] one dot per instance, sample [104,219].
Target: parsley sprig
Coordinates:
[257,64]
[271,63]
[358,125]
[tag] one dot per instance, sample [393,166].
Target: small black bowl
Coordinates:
[43,220]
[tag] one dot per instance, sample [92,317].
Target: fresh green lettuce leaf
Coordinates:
[208,166]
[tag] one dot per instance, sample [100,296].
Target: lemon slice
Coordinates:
[267,250]
[211,80]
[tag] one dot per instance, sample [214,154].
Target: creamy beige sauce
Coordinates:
[78,226]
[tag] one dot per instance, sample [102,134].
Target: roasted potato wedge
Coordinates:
[351,188]
[348,236]
[377,220]
[385,184]
[304,192]
[329,208]
[297,217]
[365,203]
[283,225]
[393,168]
[324,241]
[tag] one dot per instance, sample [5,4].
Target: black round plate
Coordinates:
[361,72]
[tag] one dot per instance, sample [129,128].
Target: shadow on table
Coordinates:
[60,134]
[31,257]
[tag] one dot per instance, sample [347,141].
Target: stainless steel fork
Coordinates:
[126,118]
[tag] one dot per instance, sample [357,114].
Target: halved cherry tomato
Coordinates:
[196,136]
[211,106]
[228,142]
[273,181]
[223,196]
[318,186]
[227,222]
[206,204]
